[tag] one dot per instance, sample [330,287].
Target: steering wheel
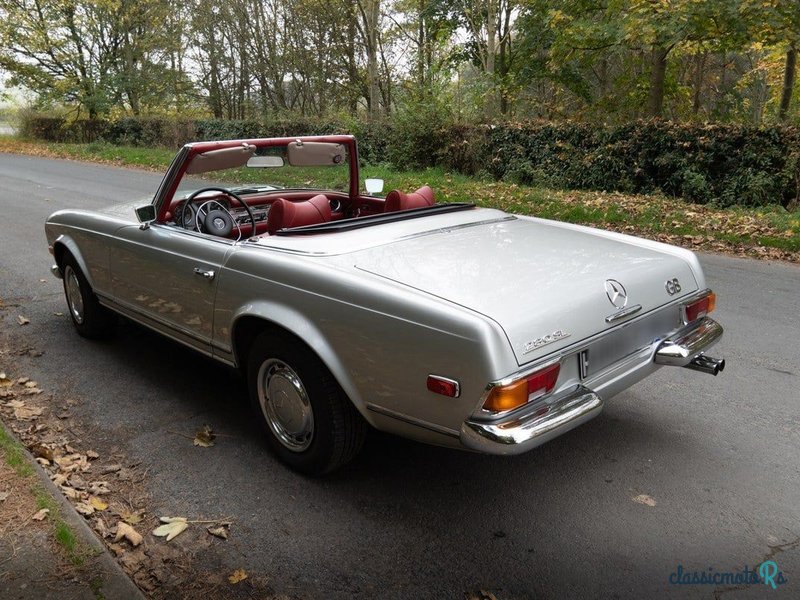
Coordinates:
[217,222]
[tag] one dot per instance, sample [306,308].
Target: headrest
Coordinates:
[397,200]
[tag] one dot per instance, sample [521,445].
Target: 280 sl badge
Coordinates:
[544,340]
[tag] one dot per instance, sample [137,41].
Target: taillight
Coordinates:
[700,308]
[522,391]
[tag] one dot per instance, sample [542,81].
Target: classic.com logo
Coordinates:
[766,573]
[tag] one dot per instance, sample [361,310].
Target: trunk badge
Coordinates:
[616,293]
[544,340]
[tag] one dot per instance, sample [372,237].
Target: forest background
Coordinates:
[692,98]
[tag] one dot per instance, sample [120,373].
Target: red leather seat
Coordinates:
[397,200]
[283,213]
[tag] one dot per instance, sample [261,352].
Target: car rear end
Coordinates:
[586,314]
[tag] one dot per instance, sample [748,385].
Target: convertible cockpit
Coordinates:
[245,188]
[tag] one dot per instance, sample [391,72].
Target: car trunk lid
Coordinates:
[544,283]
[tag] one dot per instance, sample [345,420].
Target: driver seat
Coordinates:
[284,213]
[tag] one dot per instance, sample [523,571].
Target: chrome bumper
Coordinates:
[536,425]
[684,346]
[543,421]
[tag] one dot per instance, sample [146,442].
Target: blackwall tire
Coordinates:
[309,421]
[90,319]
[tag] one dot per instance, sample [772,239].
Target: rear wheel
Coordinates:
[91,320]
[310,423]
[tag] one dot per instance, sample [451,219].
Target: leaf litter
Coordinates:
[43,431]
[204,437]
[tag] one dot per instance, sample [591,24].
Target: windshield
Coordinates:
[270,169]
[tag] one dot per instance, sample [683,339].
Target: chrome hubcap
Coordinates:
[285,405]
[74,298]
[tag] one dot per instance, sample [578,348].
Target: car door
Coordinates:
[167,277]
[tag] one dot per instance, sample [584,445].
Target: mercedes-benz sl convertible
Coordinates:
[443,322]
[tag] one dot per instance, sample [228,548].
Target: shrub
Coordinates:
[725,164]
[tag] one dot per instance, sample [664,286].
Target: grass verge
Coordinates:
[767,232]
[15,457]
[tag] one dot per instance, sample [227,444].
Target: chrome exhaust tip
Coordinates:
[706,364]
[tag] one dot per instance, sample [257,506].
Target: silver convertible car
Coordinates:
[443,322]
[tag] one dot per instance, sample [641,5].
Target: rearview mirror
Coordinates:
[265,161]
[146,213]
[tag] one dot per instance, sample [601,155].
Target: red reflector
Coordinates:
[700,308]
[443,386]
[542,382]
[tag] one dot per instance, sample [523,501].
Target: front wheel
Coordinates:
[91,320]
[310,423]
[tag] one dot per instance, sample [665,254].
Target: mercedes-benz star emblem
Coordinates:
[616,293]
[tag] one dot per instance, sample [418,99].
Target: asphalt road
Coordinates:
[718,455]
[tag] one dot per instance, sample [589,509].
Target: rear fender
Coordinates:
[289,319]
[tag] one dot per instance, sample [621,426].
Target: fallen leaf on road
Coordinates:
[644,499]
[132,518]
[481,595]
[97,504]
[39,516]
[204,437]
[84,508]
[4,495]
[129,533]
[22,320]
[27,413]
[220,532]
[92,454]
[237,576]
[29,384]
[23,380]
[173,526]
[4,380]
[99,488]
[41,451]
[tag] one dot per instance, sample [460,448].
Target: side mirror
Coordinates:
[374,186]
[146,214]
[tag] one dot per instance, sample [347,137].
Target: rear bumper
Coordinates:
[682,347]
[525,432]
[543,421]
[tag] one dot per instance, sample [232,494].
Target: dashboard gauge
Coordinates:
[186,216]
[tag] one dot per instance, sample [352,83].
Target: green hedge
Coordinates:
[725,164]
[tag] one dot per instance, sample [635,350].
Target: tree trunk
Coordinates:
[788,83]
[373,14]
[658,73]
[699,75]
[421,49]
[491,50]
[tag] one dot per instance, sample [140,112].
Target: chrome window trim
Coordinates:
[169,178]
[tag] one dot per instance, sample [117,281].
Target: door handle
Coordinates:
[207,274]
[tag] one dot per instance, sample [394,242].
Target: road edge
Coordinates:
[115,582]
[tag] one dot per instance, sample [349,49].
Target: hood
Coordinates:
[535,278]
